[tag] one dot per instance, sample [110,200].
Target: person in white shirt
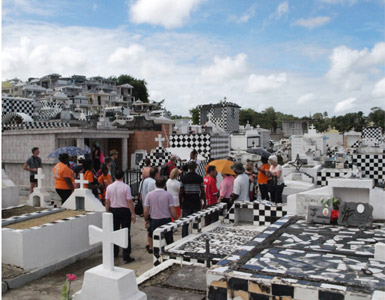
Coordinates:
[147,186]
[173,186]
[241,184]
[275,172]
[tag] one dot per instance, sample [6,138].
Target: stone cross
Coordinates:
[108,237]
[190,123]
[311,127]
[39,176]
[81,181]
[160,140]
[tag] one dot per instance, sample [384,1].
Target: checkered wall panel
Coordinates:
[21,105]
[372,135]
[371,165]
[200,142]
[264,212]
[35,125]
[323,176]
[158,156]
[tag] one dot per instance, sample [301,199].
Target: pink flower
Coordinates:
[71,277]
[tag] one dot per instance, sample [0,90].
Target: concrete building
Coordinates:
[294,127]
[224,114]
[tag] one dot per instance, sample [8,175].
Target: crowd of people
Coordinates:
[165,194]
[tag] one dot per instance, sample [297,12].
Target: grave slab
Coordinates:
[161,293]
[188,277]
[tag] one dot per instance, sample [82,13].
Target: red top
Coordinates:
[171,165]
[211,190]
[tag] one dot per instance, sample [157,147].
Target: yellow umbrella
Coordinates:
[223,166]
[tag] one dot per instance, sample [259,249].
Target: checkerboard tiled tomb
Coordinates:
[207,145]
[371,165]
[295,260]
[160,252]
[258,213]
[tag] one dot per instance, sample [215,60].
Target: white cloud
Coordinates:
[345,105]
[224,69]
[166,13]
[261,83]
[282,9]
[351,67]
[379,88]
[311,23]
[13,8]
[131,53]
[246,16]
[305,99]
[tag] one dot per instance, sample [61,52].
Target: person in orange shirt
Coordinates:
[263,179]
[105,179]
[89,175]
[64,178]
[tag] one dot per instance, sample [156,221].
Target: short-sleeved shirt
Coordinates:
[148,185]
[192,184]
[211,190]
[118,193]
[263,178]
[88,176]
[61,171]
[32,163]
[241,187]
[159,202]
[105,180]
[173,187]
[226,187]
[280,179]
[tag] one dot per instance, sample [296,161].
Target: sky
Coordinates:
[300,57]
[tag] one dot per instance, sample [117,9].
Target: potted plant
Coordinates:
[335,203]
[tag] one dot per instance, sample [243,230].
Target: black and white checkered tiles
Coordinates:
[200,142]
[214,146]
[35,125]
[20,105]
[323,176]
[371,165]
[158,156]
[158,237]
[264,212]
[372,135]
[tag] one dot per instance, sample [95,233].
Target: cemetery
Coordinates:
[325,241]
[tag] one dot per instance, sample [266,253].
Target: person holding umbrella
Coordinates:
[64,178]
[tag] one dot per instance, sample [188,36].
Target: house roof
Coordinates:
[126,85]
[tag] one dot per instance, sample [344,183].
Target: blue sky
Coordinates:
[300,57]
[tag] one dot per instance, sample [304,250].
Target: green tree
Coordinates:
[194,112]
[377,116]
[140,86]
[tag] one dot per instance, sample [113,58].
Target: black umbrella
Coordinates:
[259,151]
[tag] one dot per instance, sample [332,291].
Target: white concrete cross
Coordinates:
[190,123]
[81,181]
[311,127]
[39,176]
[160,140]
[108,237]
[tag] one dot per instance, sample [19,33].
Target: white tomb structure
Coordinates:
[310,146]
[346,189]
[9,191]
[39,196]
[106,281]
[160,139]
[83,199]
